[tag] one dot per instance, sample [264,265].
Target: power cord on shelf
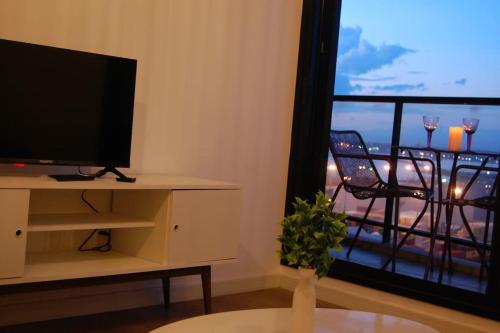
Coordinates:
[106,247]
[87,202]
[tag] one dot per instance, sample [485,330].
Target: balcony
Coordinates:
[400,124]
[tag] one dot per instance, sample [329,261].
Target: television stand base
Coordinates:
[121,176]
[71,178]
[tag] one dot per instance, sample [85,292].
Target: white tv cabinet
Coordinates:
[158,223]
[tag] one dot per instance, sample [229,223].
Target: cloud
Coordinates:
[461,82]
[349,39]
[343,85]
[374,79]
[357,56]
[367,57]
[401,87]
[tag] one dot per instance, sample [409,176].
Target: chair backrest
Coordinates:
[358,170]
[475,181]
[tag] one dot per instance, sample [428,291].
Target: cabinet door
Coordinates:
[204,226]
[14,205]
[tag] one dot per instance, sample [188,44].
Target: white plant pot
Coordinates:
[304,302]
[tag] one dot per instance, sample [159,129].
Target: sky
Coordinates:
[419,48]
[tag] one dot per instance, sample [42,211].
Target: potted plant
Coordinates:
[308,237]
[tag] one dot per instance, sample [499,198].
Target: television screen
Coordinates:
[65,107]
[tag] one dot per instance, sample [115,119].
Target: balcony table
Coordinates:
[279,321]
[444,198]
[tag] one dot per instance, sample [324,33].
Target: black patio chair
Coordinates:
[360,177]
[479,192]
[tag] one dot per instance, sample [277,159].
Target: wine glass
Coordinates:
[470,127]
[430,124]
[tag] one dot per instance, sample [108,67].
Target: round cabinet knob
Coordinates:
[176,227]
[19,232]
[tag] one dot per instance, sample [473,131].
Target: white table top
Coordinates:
[279,321]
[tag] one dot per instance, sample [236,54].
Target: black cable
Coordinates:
[101,248]
[87,202]
[80,248]
[106,247]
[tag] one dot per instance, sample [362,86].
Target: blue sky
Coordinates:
[419,47]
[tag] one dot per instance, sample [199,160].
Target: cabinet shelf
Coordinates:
[69,265]
[84,221]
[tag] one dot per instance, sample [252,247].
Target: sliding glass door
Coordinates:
[389,63]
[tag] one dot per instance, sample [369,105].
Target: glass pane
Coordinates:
[374,122]
[419,48]
[484,139]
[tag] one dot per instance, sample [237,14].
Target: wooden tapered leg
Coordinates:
[166,291]
[207,288]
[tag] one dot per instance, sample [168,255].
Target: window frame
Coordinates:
[312,118]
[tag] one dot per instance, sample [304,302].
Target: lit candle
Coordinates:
[455,139]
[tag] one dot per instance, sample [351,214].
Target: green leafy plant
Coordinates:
[310,233]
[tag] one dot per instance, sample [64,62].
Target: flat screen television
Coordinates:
[65,107]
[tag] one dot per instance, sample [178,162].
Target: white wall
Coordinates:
[214,94]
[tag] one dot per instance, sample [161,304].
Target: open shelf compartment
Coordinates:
[84,221]
[73,264]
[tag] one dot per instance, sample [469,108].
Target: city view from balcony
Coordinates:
[422,58]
